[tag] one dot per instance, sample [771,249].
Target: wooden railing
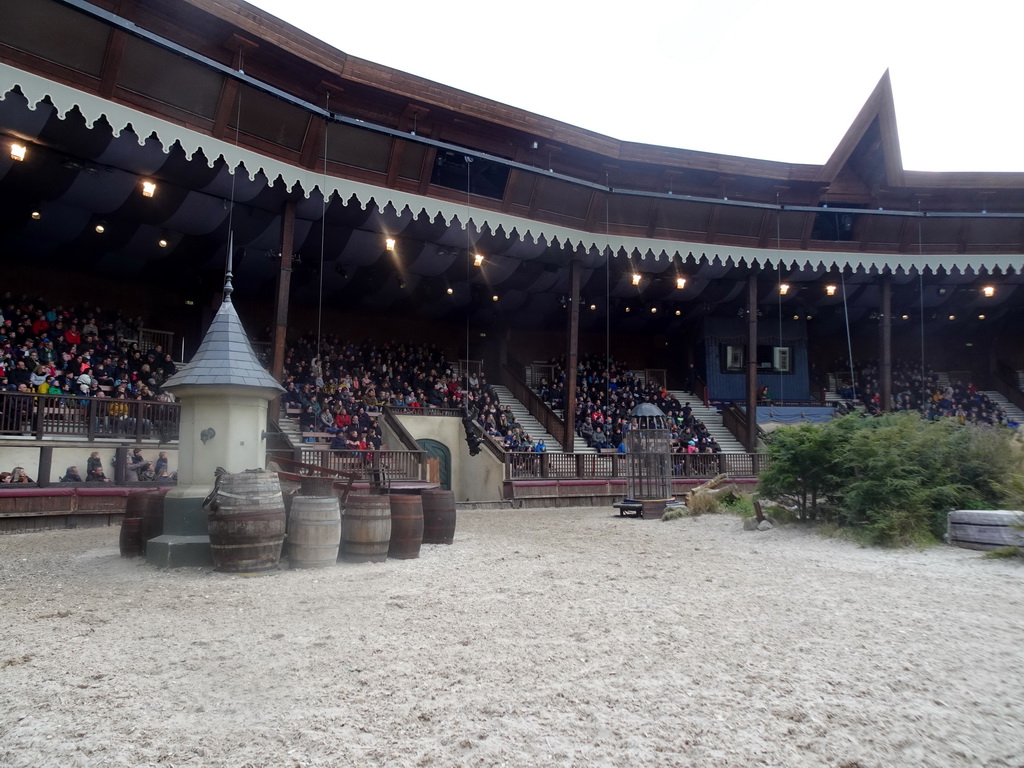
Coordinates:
[150,337]
[582,466]
[57,416]
[553,425]
[700,389]
[374,466]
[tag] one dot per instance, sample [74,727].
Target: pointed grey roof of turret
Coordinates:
[225,356]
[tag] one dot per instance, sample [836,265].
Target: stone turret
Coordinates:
[224,392]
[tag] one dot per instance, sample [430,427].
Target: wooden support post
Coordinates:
[885,329]
[45,466]
[572,355]
[751,436]
[284,281]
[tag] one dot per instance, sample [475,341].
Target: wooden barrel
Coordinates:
[438,516]
[248,525]
[148,506]
[130,540]
[314,532]
[365,529]
[406,527]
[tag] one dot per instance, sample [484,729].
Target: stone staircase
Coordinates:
[712,420]
[533,427]
[289,427]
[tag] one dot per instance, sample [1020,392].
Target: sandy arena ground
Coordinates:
[558,637]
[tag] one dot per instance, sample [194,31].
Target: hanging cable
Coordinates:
[920,290]
[607,302]
[849,343]
[234,172]
[469,255]
[778,266]
[323,241]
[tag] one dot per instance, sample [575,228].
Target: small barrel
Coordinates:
[406,527]
[314,532]
[438,516]
[148,506]
[247,529]
[130,539]
[365,529]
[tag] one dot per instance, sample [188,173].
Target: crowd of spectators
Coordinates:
[47,349]
[607,392]
[340,390]
[914,390]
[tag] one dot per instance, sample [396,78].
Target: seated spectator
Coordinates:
[18,475]
[71,476]
[161,469]
[138,464]
[94,469]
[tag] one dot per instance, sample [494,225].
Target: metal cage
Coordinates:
[649,452]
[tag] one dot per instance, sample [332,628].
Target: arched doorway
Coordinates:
[439,451]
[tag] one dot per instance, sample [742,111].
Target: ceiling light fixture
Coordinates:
[830,289]
[680,283]
[478,259]
[148,188]
[101,227]
[494,297]
[389,243]
[783,288]
[451,291]
[18,152]
[989,291]
[636,278]
[36,214]
[162,242]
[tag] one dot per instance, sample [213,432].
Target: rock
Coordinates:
[764,525]
[750,524]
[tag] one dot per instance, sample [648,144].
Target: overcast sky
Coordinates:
[776,80]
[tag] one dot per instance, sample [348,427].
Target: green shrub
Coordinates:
[892,479]
[736,503]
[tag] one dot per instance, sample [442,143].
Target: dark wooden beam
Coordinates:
[572,355]
[751,436]
[112,63]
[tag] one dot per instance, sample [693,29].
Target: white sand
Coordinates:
[565,637]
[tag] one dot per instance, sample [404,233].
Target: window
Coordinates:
[484,177]
[770,359]
[735,358]
[780,359]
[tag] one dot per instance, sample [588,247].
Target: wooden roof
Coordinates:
[208,84]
